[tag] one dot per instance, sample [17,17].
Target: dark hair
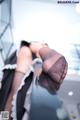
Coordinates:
[24,43]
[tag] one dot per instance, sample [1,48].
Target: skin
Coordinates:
[36,46]
[24,60]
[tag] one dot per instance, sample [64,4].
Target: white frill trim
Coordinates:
[28,99]
[8,66]
[27,104]
[37,60]
[13,114]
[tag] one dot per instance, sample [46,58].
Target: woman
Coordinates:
[18,75]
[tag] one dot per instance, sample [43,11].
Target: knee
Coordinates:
[25,51]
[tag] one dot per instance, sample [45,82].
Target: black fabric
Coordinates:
[46,82]
[25,43]
[7,81]
[21,96]
[12,59]
[7,84]
[6,87]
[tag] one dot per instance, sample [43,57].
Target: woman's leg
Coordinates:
[24,60]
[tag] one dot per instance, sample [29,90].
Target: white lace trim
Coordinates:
[13,114]
[8,66]
[28,100]
[27,105]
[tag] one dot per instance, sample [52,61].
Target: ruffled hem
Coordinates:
[31,69]
[8,66]
[28,99]
[13,112]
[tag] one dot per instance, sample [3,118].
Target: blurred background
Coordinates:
[51,22]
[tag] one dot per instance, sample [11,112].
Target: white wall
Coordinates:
[44,22]
[57,25]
